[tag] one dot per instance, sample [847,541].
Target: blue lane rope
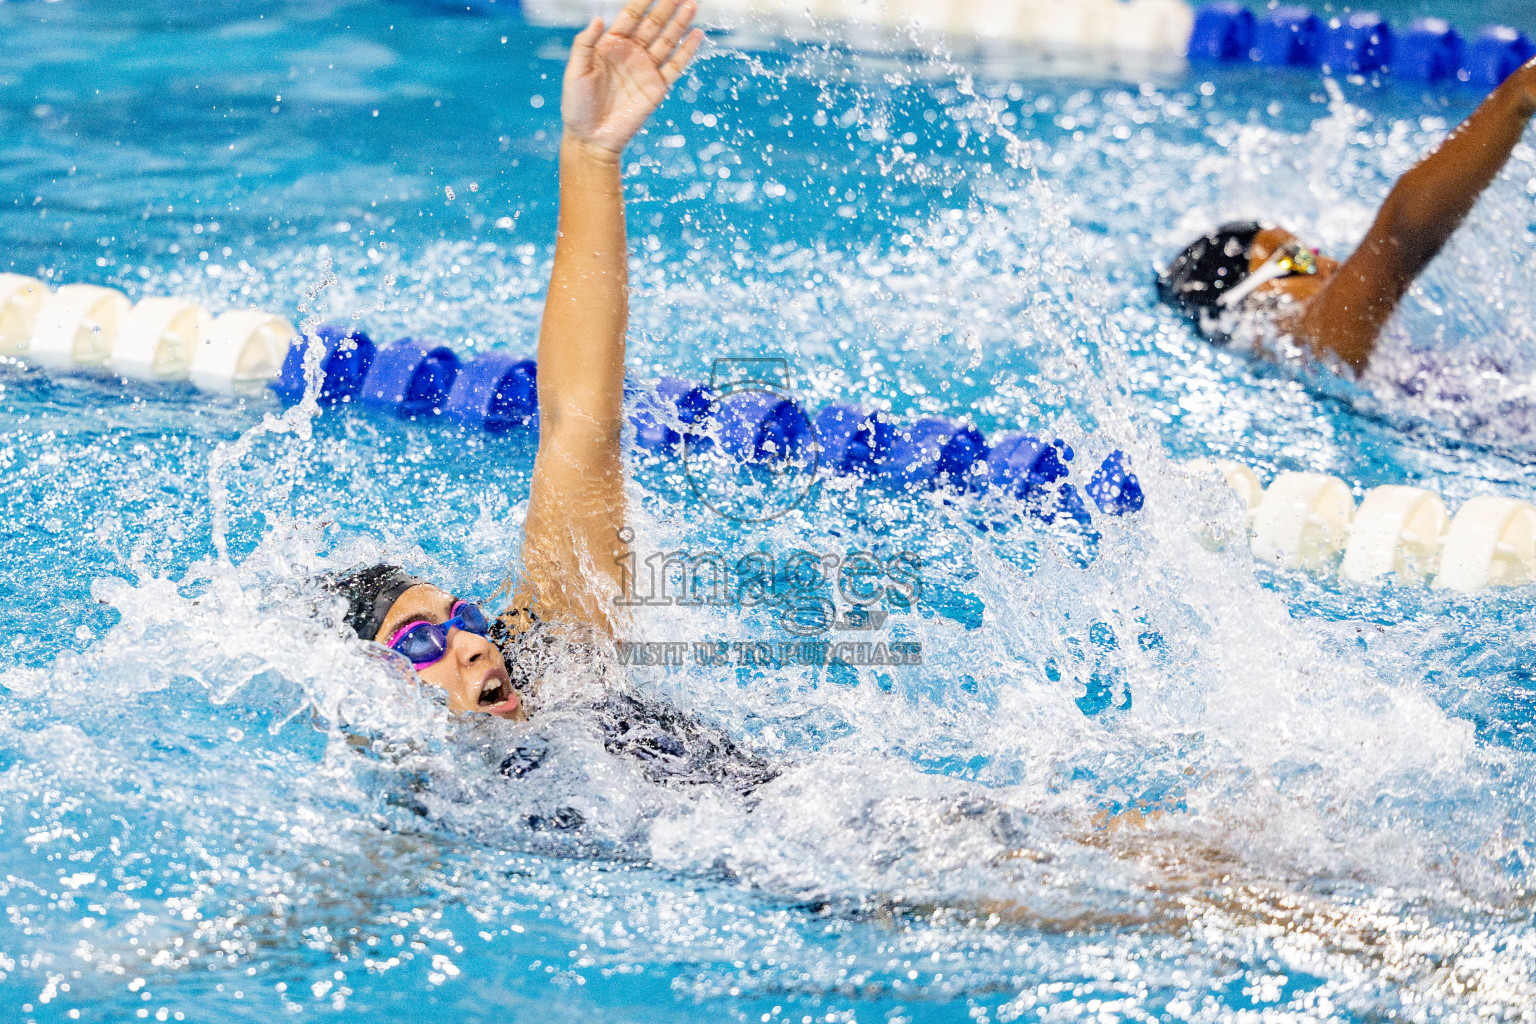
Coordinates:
[1363,43]
[497,391]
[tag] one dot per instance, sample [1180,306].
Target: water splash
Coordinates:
[295,420]
[1136,779]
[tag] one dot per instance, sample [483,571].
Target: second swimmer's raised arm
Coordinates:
[1424,209]
[613,81]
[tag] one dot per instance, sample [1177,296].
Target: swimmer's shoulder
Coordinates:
[521,625]
[533,645]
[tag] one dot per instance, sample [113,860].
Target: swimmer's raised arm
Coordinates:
[1424,209]
[614,80]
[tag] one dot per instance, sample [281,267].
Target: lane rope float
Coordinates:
[1309,521]
[1132,26]
[158,339]
[21,298]
[1426,51]
[89,327]
[1491,543]
[1395,531]
[77,325]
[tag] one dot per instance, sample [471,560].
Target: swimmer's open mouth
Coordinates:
[495,691]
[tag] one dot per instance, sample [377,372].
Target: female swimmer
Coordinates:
[614,80]
[1338,310]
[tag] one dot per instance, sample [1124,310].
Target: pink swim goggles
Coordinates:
[425,643]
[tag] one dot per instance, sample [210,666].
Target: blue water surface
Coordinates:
[1134,779]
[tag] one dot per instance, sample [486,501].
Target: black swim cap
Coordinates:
[1198,276]
[370,592]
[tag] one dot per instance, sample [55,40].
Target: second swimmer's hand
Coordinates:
[615,79]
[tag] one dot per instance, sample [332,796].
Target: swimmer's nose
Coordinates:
[467,647]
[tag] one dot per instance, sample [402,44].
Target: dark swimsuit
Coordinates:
[672,747]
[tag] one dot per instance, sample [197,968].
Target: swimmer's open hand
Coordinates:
[615,79]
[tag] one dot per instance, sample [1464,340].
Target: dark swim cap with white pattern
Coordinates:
[1211,265]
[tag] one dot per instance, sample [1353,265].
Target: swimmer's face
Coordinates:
[1302,288]
[472,673]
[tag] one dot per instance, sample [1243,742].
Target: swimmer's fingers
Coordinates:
[655,22]
[629,17]
[581,46]
[673,31]
[673,69]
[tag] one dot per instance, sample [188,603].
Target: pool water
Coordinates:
[1133,779]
